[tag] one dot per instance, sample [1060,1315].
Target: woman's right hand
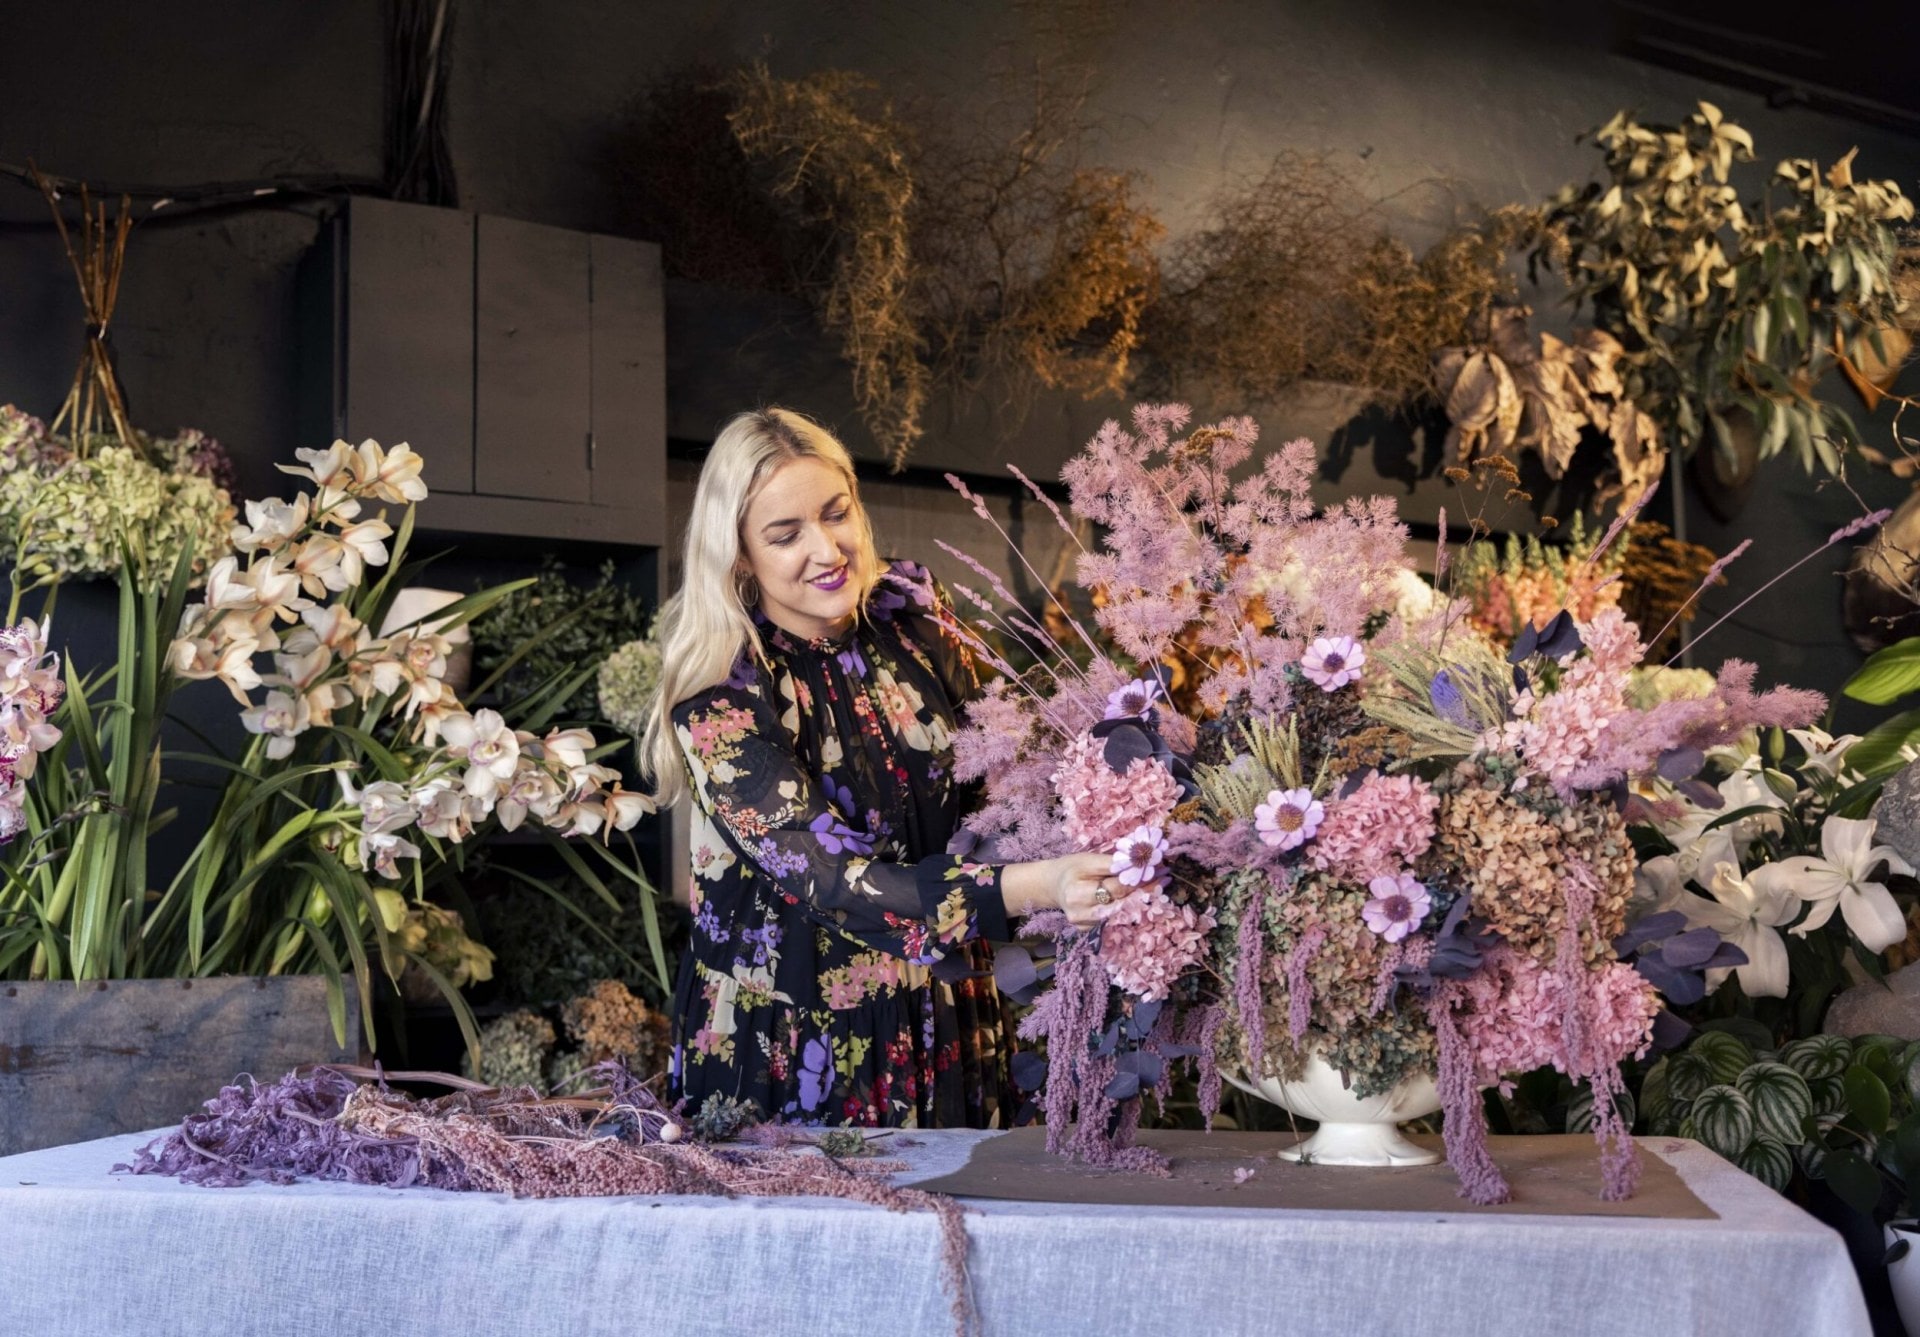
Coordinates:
[1081,886]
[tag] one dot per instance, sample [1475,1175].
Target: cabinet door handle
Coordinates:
[589,452]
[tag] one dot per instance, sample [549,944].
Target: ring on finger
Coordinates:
[1101,896]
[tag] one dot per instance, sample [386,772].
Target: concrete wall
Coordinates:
[1443,107]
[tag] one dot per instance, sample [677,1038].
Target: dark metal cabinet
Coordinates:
[526,362]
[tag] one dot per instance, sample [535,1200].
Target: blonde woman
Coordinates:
[838,971]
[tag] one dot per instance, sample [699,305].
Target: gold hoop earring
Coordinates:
[748,589]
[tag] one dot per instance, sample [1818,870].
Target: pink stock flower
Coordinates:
[1137,857]
[1399,904]
[1289,818]
[1333,662]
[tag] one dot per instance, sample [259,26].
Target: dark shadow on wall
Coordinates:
[1408,448]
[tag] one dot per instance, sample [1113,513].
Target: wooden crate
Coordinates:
[80,1061]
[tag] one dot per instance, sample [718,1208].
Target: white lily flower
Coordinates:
[1838,880]
[1825,753]
[1747,916]
[1750,917]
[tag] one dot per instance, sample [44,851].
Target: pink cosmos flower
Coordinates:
[1399,904]
[1133,700]
[1137,857]
[1289,817]
[1333,662]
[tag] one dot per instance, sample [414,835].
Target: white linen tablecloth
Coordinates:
[86,1253]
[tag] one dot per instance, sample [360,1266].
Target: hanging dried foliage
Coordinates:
[1295,278]
[684,181]
[1512,392]
[1727,312]
[1030,271]
[968,262]
[838,157]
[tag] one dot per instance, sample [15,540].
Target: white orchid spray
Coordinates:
[299,564]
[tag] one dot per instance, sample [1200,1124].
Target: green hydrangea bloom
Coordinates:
[76,503]
[629,681]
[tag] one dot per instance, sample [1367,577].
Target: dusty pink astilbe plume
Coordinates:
[1633,740]
[1148,941]
[1099,805]
[1378,830]
[1223,852]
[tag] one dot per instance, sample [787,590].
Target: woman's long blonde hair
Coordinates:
[706,625]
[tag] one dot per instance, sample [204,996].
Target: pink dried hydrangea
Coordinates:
[1516,1016]
[1148,940]
[1099,805]
[1378,830]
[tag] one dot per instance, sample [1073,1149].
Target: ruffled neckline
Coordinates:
[890,596]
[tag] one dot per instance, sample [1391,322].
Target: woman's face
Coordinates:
[801,540]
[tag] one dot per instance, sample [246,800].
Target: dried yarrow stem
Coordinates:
[321,1123]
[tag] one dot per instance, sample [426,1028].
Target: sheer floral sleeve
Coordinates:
[934,625]
[808,836]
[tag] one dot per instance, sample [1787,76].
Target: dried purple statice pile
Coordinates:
[348,1124]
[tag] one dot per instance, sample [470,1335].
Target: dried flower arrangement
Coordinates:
[1440,901]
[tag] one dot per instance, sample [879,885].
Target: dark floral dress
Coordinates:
[839,972]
